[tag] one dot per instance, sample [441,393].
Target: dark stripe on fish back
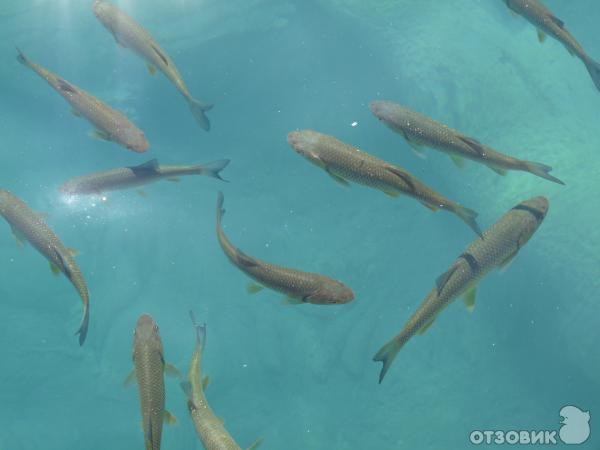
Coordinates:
[538,215]
[471,261]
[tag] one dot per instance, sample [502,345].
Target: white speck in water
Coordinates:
[353,124]
[244,365]
[103,199]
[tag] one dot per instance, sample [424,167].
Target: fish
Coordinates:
[499,246]
[128,177]
[129,34]
[110,125]
[536,13]
[345,163]
[27,225]
[149,368]
[209,427]
[421,131]
[299,287]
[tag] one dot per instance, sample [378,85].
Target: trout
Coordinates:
[209,427]
[344,162]
[500,244]
[29,226]
[546,23]
[128,177]
[129,34]
[421,131]
[149,366]
[299,287]
[110,125]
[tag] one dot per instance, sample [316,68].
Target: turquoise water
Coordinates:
[301,377]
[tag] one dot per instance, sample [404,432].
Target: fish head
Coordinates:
[305,144]
[146,331]
[133,139]
[103,11]
[384,110]
[532,213]
[331,292]
[537,206]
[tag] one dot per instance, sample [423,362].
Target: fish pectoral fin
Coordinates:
[253,288]
[142,193]
[337,178]
[75,112]
[289,300]
[557,21]
[73,252]
[19,237]
[429,206]
[441,281]
[172,371]
[169,418]
[174,179]
[392,194]
[458,161]
[65,86]
[130,380]
[404,176]
[186,386]
[101,135]
[160,55]
[256,444]
[541,36]
[205,382]
[151,69]
[501,172]
[54,268]
[469,299]
[147,167]
[418,149]
[245,260]
[425,327]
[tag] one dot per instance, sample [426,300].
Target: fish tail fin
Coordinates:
[541,170]
[593,68]
[200,331]
[213,169]
[198,110]
[468,216]
[386,355]
[22,58]
[220,209]
[83,328]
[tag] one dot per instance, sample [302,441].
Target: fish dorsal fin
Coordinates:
[65,86]
[441,281]
[474,144]
[557,21]
[205,382]
[469,299]
[63,264]
[501,172]
[289,300]
[245,260]
[148,166]
[151,69]
[19,236]
[254,288]
[405,177]
[160,55]
[256,444]
[186,386]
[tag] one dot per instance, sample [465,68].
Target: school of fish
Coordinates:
[494,248]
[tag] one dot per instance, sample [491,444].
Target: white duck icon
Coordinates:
[575,425]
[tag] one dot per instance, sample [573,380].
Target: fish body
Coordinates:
[209,427]
[110,124]
[129,34]
[298,286]
[500,244]
[149,362]
[128,177]
[344,162]
[28,225]
[421,131]
[536,13]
